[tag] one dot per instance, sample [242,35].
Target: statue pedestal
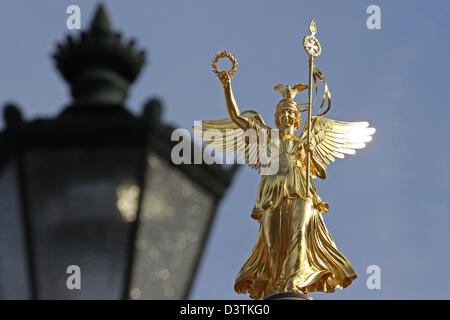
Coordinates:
[288,296]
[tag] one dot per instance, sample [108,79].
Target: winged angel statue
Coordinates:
[294,251]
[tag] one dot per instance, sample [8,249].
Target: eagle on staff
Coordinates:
[294,252]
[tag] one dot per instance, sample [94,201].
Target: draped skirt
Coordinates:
[294,252]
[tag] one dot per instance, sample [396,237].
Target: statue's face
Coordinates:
[287,117]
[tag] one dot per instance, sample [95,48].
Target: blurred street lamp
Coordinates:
[95,187]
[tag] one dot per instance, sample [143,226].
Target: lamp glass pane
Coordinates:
[82,205]
[14,272]
[175,215]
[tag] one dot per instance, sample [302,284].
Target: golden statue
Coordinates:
[294,251]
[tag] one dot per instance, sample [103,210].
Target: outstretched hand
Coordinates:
[224,78]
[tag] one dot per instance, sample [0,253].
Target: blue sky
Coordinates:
[389,202]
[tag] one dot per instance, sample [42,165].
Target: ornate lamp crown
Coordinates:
[99,66]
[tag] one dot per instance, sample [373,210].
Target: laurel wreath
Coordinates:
[231,57]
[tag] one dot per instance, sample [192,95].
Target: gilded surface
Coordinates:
[294,251]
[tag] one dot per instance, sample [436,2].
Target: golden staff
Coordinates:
[313,49]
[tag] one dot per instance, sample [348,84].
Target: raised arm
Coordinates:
[232,107]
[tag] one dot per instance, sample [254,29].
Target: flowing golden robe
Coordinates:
[294,250]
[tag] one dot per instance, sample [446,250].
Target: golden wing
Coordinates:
[226,136]
[332,138]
